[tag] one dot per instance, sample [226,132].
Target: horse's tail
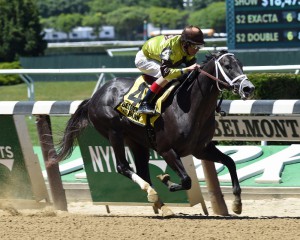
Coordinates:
[78,121]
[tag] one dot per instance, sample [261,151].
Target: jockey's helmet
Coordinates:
[192,35]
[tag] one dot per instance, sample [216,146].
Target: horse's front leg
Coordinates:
[237,203]
[175,163]
[165,179]
[213,154]
[236,189]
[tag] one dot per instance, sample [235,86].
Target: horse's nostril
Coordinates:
[248,92]
[248,89]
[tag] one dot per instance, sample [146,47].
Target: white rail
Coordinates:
[101,71]
[70,71]
[131,70]
[296,68]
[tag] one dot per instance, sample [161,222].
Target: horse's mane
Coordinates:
[212,55]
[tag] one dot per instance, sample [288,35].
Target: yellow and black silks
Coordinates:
[132,100]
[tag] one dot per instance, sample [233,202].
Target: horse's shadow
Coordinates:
[215,217]
[197,217]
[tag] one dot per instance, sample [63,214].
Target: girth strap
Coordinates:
[150,133]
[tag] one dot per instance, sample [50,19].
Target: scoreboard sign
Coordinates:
[263,23]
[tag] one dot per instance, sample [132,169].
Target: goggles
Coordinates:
[197,46]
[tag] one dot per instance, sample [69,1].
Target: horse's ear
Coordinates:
[240,63]
[221,52]
[208,55]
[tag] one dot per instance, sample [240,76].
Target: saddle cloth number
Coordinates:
[137,95]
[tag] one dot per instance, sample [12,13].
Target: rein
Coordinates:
[225,84]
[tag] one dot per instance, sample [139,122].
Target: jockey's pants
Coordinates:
[147,66]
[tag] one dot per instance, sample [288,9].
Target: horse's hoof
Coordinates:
[175,187]
[237,207]
[163,178]
[167,212]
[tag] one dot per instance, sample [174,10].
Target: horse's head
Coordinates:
[230,70]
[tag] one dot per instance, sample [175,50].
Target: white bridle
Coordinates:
[227,79]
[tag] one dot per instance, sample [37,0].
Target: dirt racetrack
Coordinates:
[261,219]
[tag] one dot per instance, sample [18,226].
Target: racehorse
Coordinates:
[186,125]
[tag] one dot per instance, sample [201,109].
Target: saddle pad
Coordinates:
[132,100]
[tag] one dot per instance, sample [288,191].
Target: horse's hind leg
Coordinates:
[213,154]
[141,158]
[142,175]
[116,139]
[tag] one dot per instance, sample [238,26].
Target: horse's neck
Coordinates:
[204,94]
[193,110]
[195,104]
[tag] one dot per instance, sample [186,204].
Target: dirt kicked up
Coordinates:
[261,219]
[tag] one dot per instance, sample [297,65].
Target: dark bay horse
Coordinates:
[186,125]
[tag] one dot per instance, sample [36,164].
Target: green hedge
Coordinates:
[273,86]
[10,79]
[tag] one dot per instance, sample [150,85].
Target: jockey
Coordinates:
[161,56]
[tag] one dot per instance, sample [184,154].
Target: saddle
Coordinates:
[132,99]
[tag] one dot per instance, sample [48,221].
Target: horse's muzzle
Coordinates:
[247,92]
[245,89]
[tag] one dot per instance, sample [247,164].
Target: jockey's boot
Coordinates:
[147,105]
